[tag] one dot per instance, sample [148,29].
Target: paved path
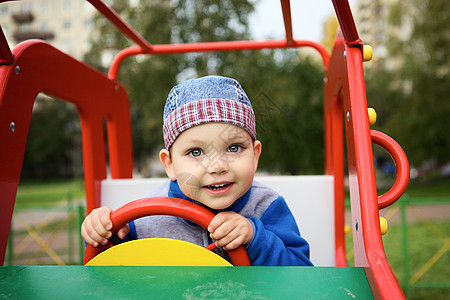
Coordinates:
[414,213]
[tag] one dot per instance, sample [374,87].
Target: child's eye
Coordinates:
[234,148]
[195,152]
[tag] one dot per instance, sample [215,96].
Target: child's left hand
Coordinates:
[230,230]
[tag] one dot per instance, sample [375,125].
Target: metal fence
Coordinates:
[46,234]
[417,243]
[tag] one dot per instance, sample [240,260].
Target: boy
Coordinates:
[211,155]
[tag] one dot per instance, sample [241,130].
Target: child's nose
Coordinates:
[219,165]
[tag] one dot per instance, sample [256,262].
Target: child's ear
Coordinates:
[164,157]
[257,147]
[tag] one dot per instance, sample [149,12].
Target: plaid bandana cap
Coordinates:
[204,100]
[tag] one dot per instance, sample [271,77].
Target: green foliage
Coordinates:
[412,98]
[286,92]
[54,141]
[289,111]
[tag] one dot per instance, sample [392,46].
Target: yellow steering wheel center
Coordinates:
[157,252]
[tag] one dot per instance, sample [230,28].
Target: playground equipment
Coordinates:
[35,66]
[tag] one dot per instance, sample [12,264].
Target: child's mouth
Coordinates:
[216,187]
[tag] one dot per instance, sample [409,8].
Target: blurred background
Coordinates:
[407,83]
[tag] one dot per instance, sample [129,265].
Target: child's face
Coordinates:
[214,163]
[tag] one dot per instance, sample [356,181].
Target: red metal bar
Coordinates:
[346,22]
[401,163]
[6,56]
[334,146]
[369,251]
[286,7]
[95,97]
[115,19]
[214,46]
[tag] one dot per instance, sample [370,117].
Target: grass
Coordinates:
[431,191]
[423,239]
[44,193]
[423,242]
[418,192]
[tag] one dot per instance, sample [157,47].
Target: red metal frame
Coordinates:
[6,56]
[402,166]
[41,68]
[345,81]
[213,46]
[286,8]
[115,19]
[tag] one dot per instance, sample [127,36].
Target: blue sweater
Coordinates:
[276,238]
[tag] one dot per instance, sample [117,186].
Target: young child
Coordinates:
[211,155]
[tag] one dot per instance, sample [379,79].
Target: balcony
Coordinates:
[21,18]
[20,36]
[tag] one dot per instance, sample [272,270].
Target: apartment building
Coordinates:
[66,24]
[375,27]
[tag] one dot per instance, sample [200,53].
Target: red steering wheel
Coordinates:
[165,206]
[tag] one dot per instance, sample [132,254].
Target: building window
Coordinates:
[4,10]
[44,26]
[66,45]
[45,7]
[89,23]
[67,24]
[67,5]
[25,28]
[25,8]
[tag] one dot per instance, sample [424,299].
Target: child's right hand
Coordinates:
[96,228]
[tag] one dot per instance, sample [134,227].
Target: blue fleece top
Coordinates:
[276,238]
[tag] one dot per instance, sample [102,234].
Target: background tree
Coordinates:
[286,92]
[415,84]
[146,78]
[54,141]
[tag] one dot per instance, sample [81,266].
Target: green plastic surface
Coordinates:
[75,282]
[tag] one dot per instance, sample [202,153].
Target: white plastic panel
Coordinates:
[310,199]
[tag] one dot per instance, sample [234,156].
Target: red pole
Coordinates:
[123,26]
[286,7]
[346,22]
[6,56]
[214,46]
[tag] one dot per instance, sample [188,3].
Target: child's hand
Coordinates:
[230,230]
[96,228]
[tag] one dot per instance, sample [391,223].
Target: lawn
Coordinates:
[430,191]
[417,192]
[44,193]
[421,276]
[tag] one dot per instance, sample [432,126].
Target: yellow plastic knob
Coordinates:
[367,53]
[372,116]
[347,229]
[383,226]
